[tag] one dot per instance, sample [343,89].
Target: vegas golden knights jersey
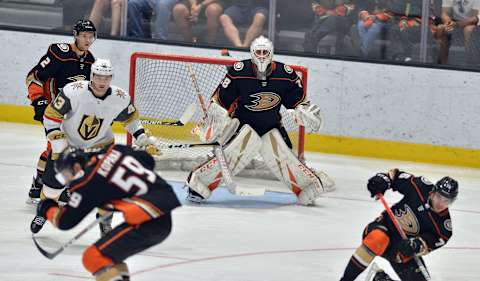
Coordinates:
[86,119]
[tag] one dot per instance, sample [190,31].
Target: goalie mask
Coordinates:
[261,51]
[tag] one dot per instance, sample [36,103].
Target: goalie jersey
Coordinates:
[257,102]
[86,119]
[58,67]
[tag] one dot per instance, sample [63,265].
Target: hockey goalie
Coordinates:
[244,116]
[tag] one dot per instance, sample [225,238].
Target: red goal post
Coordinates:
[160,88]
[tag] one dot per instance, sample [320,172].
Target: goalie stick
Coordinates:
[52,255]
[186,116]
[403,235]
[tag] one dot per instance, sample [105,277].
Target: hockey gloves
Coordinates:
[410,247]
[378,184]
[148,143]
[44,205]
[39,106]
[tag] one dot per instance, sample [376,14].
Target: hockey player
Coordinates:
[63,63]
[81,116]
[244,114]
[123,179]
[422,214]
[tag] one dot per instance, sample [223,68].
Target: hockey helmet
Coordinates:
[447,187]
[84,26]
[261,51]
[101,67]
[69,157]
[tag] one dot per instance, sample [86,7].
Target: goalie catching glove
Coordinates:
[217,126]
[309,115]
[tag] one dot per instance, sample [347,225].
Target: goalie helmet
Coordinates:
[261,51]
[447,187]
[102,67]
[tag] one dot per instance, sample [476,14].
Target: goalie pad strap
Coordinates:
[238,153]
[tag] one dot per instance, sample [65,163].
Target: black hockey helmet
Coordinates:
[69,157]
[84,26]
[447,187]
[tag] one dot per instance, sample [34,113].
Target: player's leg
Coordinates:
[375,242]
[213,12]
[181,15]
[105,258]
[230,17]
[52,189]
[105,226]
[238,153]
[409,270]
[284,164]
[37,183]
[256,27]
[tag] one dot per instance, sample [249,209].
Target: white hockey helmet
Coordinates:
[261,51]
[101,67]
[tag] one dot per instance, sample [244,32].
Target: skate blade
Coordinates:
[32,201]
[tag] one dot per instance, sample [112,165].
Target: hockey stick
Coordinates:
[186,116]
[51,255]
[403,235]
[200,98]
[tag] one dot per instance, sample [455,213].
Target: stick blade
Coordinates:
[42,251]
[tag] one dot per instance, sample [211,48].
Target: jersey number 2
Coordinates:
[136,179]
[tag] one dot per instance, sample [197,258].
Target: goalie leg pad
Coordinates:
[287,167]
[238,154]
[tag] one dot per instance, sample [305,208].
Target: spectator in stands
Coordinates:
[253,12]
[459,17]
[372,20]
[141,11]
[404,29]
[100,7]
[330,18]
[186,14]
[74,10]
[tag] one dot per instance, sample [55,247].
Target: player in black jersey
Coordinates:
[244,114]
[423,215]
[63,63]
[124,180]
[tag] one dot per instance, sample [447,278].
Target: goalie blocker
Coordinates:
[250,98]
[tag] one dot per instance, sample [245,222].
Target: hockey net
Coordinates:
[162,88]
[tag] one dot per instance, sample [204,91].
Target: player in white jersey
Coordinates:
[81,116]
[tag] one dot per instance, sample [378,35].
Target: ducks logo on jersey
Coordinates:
[408,221]
[263,101]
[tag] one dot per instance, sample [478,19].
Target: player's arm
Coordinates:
[306,113]
[70,215]
[52,121]
[46,68]
[218,125]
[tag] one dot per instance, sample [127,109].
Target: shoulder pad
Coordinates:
[75,87]
[120,93]
[61,50]
[284,71]
[241,68]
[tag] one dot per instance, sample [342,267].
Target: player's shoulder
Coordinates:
[61,51]
[119,94]
[242,68]
[282,70]
[74,88]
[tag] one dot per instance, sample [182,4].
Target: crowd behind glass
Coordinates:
[371,29]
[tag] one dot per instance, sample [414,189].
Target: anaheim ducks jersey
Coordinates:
[258,102]
[58,67]
[415,215]
[86,119]
[123,178]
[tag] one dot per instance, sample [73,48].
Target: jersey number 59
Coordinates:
[132,174]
